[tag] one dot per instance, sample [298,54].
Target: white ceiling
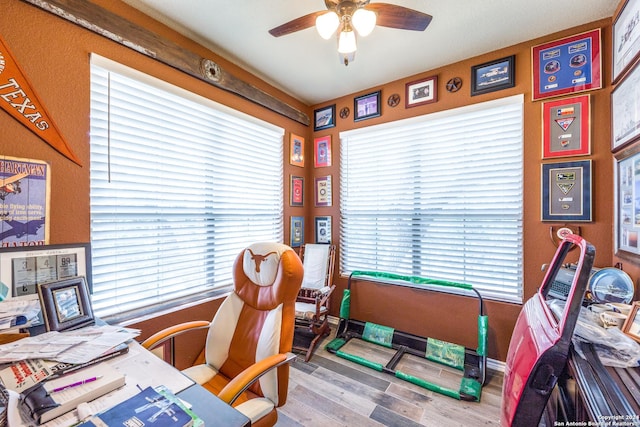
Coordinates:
[307,67]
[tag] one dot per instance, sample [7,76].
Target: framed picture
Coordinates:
[23,268]
[627,203]
[566,191]
[323,191]
[297,231]
[626,38]
[568,65]
[625,110]
[566,127]
[420,92]
[296,154]
[366,106]
[323,229]
[493,75]
[324,118]
[297,191]
[322,151]
[66,304]
[631,326]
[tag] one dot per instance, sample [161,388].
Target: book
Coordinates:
[48,400]
[147,408]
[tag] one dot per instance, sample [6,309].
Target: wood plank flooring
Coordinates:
[331,391]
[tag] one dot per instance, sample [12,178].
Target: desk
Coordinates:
[586,393]
[143,369]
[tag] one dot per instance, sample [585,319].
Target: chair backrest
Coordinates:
[318,265]
[257,319]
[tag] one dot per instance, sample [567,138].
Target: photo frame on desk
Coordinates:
[66,304]
[23,268]
[631,326]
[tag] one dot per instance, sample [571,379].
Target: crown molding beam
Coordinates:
[114,27]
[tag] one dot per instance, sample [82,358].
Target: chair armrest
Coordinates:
[322,298]
[250,375]
[172,331]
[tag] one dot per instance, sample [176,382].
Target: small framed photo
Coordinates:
[66,304]
[493,75]
[323,191]
[626,38]
[625,110]
[296,154]
[566,191]
[322,151]
[324,118]
[420,92]
[566,127]
[631,326]
[323,229]
[297,231]
[366,106]
[568,65]
[297,191]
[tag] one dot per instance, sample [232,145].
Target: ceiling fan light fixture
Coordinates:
[347,41]
[364,21]
[327,24]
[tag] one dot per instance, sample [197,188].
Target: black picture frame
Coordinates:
[566,191]
[66,304]
[324,118]
[493,75]
[366,106]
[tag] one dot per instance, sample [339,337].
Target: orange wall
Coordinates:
[55,53]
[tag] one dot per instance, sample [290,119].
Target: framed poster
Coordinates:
[323,229]
[324,118]
[626,38]
[424,91]
[566,191]
[24,202]
[493,75]
[22,269]
[366,106]
[296,153]
[297,191]
[322,151]
[566,127]
[627,203]
[323,191]
[568,65]
[625,110]
[297,231]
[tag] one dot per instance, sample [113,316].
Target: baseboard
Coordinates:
[493,364]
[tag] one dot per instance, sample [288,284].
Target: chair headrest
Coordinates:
[260,262]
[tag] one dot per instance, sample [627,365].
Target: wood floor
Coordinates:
[331,391]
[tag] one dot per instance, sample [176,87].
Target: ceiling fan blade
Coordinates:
[297,24]
[403,18]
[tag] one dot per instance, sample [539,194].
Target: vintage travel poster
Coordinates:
[24,202]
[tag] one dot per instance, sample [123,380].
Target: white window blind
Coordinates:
[438,196]
[179,185]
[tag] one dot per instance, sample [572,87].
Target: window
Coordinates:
[438,196]
[179,185]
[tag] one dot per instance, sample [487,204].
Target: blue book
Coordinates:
[147,408]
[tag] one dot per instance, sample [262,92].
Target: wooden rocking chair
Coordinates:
[312,304]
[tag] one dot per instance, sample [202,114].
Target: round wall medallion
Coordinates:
[393,100]
[344,113]
[454,84]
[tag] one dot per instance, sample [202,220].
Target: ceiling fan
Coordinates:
[343,16]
